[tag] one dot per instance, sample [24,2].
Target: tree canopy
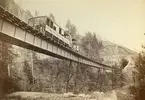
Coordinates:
[71,28]
[91,45]
[52,16]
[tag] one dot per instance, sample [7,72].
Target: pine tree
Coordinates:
[91,45]
[139,77]
[71,29]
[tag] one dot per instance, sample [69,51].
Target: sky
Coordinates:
[119,21]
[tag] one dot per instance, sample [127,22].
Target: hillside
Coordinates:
[113,53]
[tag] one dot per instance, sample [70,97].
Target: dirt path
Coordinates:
[69,96]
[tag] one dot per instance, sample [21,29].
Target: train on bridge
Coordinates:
[51,30]
[48,27]
[40,34]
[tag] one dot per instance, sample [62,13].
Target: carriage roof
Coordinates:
[52,21]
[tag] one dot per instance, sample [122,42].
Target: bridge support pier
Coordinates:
[97,82]
[75,70]
[68,76]
[72,76]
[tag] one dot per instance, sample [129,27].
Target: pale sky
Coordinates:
[119,21]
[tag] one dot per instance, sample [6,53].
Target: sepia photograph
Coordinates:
[72,49]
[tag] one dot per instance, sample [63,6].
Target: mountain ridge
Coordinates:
[113,53]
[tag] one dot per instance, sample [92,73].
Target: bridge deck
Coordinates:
[17,32]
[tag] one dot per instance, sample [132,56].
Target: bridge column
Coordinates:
[98,76]
[75,67]
[68,77]
[1,79]
[3,67]
[71,75]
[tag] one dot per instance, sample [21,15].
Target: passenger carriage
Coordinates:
[51,30]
